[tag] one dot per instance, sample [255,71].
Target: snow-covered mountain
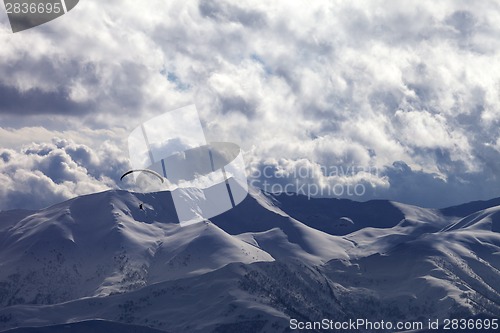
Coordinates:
[99,263]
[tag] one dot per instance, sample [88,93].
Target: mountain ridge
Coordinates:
[253,267]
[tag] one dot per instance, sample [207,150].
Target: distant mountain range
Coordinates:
[98,263]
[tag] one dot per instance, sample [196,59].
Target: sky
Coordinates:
[389,99]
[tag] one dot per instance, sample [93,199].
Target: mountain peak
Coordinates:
[103,254]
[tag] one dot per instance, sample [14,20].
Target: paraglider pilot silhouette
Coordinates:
[205,179]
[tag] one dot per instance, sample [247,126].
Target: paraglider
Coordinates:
[151,172]
[142,170]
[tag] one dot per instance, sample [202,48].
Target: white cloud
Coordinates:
[329,82]
[43,174]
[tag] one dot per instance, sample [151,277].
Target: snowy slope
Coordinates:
[252,268]
[426,265]
[103,244]
[94,326]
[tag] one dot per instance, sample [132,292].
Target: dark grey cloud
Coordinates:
[231,12]
[36,101]
[71,88]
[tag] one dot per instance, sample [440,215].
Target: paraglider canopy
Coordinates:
[142,170]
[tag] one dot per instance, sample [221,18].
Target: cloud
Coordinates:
[46,173]
[373,84]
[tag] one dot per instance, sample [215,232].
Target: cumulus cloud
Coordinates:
[41,174]
[408,89]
